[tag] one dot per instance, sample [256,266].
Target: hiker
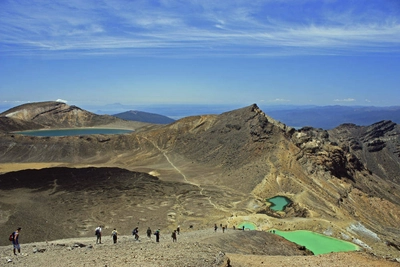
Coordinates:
[178,229]
[223,229]
[15,242]
[157,234]
[243,227]
[97,232]
[215,227]
[173,235]
[114,235]
[135,233]
[148,232]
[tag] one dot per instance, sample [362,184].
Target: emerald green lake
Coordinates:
[317,243]
[279,203]
[76,131]
[247,225]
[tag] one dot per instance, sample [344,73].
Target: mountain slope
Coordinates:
[134,115]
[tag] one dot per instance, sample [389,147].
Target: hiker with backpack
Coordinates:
[135,233]
[173,235]
[157,234]
[97,233]
[148,232]
[14,238]
[114,235]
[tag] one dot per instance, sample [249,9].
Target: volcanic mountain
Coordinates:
[202,170]
[53,114]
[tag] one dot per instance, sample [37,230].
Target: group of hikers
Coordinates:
[114,234]
[135,233]
[97,233]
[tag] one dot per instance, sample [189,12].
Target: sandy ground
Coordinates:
[11,167]
[190,250]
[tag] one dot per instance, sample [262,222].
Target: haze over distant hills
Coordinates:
[325,117]
[134,115]
[329,117]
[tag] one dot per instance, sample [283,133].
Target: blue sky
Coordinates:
[287,52]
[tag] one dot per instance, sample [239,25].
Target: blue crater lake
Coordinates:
[279,203]
[75,131]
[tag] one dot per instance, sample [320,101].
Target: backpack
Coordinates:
[97,232]
[11,238]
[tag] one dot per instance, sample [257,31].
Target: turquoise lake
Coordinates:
[279,203]
[317,243]
[71,132]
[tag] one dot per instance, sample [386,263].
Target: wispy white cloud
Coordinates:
[345,100]
[280,100]
[61,100]
[195,27]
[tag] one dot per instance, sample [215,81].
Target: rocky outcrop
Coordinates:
[325,154]
[377,146]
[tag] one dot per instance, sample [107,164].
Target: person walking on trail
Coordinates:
[114,235]
[215,227]
[173,235]
[157,234]
[148,232]
[15,242]
[223,229]
[135,233]
[97,232]
[178,229]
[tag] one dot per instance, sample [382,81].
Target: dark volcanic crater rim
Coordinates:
[76,179]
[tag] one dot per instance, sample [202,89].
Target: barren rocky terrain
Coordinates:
[199,171]
[193,248]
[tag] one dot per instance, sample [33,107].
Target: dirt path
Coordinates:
[201,189]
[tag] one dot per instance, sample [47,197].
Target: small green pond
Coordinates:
[279,203]
[247,225]
[317,243]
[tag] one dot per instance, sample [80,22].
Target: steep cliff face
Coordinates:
[377,146]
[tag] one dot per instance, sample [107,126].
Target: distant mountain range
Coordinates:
[325,117]
[134,115]
[329,117]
